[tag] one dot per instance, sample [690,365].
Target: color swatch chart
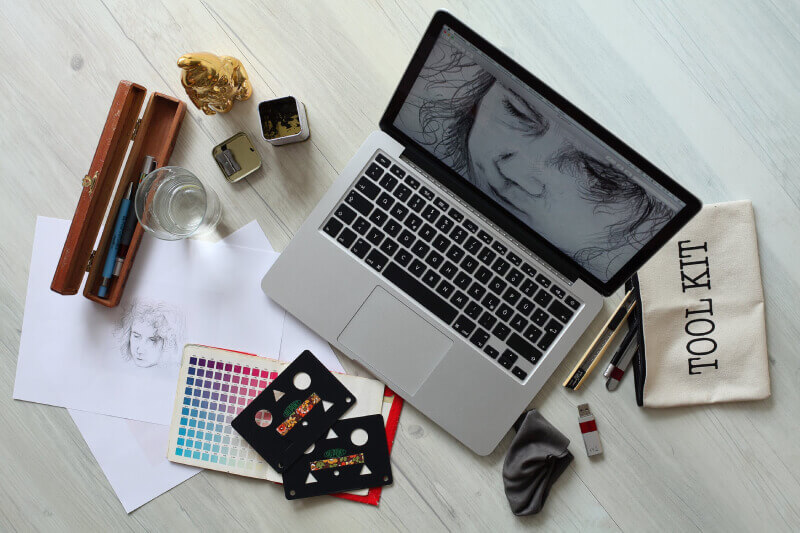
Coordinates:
[214,386]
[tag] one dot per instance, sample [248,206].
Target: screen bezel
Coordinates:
[498,214]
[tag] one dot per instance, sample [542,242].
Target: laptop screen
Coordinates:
[532,159]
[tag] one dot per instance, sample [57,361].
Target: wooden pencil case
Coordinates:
[153,134]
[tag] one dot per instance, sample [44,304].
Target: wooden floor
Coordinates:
[709,91]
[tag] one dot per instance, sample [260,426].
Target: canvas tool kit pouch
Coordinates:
[703,312]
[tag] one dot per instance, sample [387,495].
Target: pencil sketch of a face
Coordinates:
[150,333]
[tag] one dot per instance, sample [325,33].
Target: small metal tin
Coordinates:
[283,120]
[236,157]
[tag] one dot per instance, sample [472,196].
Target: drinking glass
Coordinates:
[172,204]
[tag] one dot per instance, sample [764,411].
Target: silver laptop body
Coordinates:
[468,336]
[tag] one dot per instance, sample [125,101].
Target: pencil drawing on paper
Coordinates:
[150,333]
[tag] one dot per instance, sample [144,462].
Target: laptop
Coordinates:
[469,242]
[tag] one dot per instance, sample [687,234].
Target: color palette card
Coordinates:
[214,386]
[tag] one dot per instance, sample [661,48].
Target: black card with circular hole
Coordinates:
[294,411]
[352,455]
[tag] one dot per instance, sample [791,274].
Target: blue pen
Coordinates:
[111,258]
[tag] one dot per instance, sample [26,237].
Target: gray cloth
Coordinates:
[537,457]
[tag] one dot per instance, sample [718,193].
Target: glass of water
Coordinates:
[172,204]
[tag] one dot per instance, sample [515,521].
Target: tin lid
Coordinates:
[98,184]
[236,157]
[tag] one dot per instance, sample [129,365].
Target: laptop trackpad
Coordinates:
[389,336]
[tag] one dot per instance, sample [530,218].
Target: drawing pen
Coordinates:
[122,216]
[600,344]
[626,340]
[130,224]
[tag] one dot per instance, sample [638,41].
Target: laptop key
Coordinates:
[360,248]
[399,211]
[378,217]
[543,281]
[392,228]
[431,278]
[542,298]
[448,270]
[483,275]
[572,302]
[491,302]
[462,280]
[499,247]
[511,296]
[374,171]
[490,351]
[459,299]
[332,227]
[345,214]
[514,258]
[417,267]
[420,249]
[375,236]
[501,266]
[470,225]
[416,203]
[525,306]
[388,182]
[501,331]
[382,160]
[406,238]
[441,243]
[519,323]
[558,291]
[455,215]
[479,338]
[427,232]
[358,202]
[532,334]
[487,320]
[518,372]
[430,213]
[427,193]
[504,312]
[445,224]
[540,317]
[529,288]
[527,350]
[472,245]
[346,237]
[368,188]
[445,289]
[402,193]
[477,290]
[464,325]
[497,285]
[458,235]
[403,257]
[455,254]
[508,359]
[389,247]
[420,293]
[376,260]
[560,311]
[514,276]
[473,310]
[553,327]
[469,264]
[361,226]
[485,237]
[397,171]
[487,256]
[434,260]
[441,204]
[413,222]
[529,270]
[411,182]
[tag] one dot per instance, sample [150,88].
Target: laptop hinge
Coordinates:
[476,214]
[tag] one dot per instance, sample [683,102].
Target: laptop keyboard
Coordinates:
[451,265]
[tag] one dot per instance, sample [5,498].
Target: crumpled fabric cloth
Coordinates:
[537,457]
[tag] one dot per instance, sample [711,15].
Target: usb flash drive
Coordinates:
[591,438]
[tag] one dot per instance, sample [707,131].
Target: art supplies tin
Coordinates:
[236,157]
[283,120]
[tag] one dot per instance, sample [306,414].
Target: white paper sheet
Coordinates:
[124,361]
